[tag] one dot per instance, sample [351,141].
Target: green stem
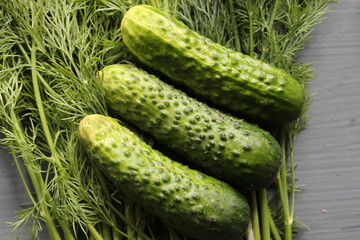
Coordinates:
[283,190]
[37,182]
[292,170]
[129,215]
[270,27]
[106,232]
[94,233]
[49,139]
[255,216]
[154,3]
[44,124]
[254,206]
[27,189]
[175,7]
[233,21]
[273,229]
[115,234]
[251,35]
[166,6]
[50,142]
[126,220]
[273,14]
[44,212]
[265,218]
[40,106]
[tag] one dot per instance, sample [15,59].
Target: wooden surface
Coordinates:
[327,151]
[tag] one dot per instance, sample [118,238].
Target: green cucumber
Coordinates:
[197,205]
[227,78]
[218,144]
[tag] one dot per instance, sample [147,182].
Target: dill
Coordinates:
[50,52]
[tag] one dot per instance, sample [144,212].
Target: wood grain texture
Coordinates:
[328,150]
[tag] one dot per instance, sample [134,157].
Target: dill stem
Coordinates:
[270,26]
[154,3]
[39,104]
[44,124]
[126,220]
[265,222]
[175,6]
[292,172]
[44,212]
[255,216]
[251,35]
[273,229]
[18,131]
[39,184]
[254,206]
[36,180]
[129,229]
[166,5]
[40,107]
[283,189]
[94,233]
[66,229]
[115,234]
[233,21]
[106,232]
[42,194]
[37,94]
[273,14]
[27,189]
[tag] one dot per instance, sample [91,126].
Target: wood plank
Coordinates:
[328,150]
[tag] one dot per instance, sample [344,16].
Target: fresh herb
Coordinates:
[50,52]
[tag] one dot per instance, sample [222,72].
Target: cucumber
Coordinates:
[197,205]
[218,144]
[229,79]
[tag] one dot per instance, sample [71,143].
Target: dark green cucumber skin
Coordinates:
[222,146]
[193,203]
[227,78]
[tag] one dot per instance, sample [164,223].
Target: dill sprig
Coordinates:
[50,52]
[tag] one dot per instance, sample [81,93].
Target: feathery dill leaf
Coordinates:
[56,47]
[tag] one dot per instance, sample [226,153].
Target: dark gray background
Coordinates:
[327,151]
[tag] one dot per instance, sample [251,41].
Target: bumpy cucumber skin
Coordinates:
[195,204]
[225,77]
[233,150]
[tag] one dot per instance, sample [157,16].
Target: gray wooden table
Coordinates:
[327,151]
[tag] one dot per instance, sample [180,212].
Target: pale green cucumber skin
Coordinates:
[222,146]
[227,78]
[191,202]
